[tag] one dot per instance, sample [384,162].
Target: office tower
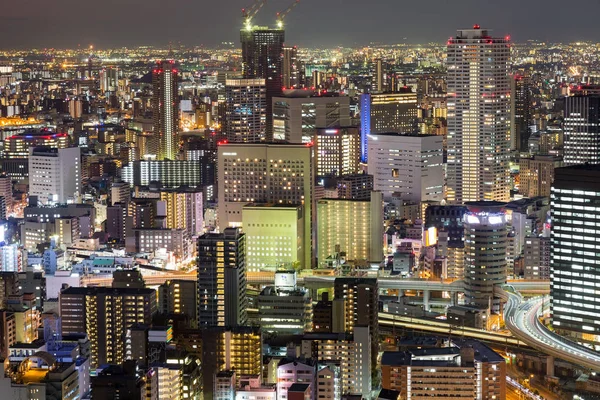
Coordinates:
[469,370]
[386,112]
[407,166]
[355,227]
[170,174]
[222,279]
[575,194]
[165,109]
[361,307]
[521,112]
[355,187]
[582,130]
[297,114]
[275,236]
[105,314]
[245,116]
[337,151]
[230,349]
[285,310]
[266,173]
[262,57]
[353,354]
[55,175]
[478,117]
[537,258]
[486,241]
[291,372]
[292,68]
[179,297]
[537,174]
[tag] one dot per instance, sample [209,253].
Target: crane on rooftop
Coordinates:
[282,14]
[249,12]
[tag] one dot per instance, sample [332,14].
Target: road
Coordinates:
[521,318]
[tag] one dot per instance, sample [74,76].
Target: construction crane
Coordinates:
[281,15]
[249,12]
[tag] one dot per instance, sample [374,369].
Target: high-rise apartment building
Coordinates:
[355,227]
[179,297]
[575,306]
[262,57]
[236,349]
[352,352]
[165,102]
[486,241]
[468,370]
[582,130]
[407,166]
[478,117]
[521,112]
[337,151]
[105,314]
[246,108]
[292,68]
[55,174]
[361,308]
[266,173]
[537,258]
[298,113]
[537,174]
[222,279]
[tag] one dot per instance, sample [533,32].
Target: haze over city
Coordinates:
[328,23]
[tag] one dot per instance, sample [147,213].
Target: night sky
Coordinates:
[324,23]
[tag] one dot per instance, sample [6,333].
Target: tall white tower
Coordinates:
[478,117]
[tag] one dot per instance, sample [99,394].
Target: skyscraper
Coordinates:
[166,109]
[292,68]
[486,240]
[478,117]
[520,124]
[245,114]
[222,279]
[575,305]
[262,57]
[582,130]
[298,113]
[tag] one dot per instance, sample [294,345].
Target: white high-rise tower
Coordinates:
[478,117]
